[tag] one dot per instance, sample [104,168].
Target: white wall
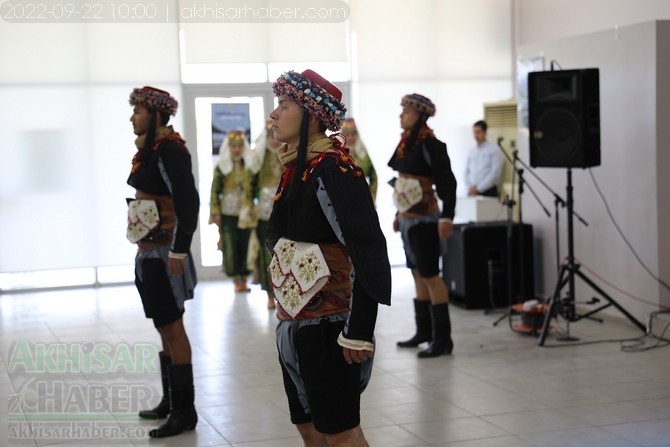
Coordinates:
[663,155]
[544,20]
[67,139]
[629,175]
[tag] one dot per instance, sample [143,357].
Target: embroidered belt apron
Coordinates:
[407,192]
[151,221]
[298,271]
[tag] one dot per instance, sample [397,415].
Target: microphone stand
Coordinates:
[510,202]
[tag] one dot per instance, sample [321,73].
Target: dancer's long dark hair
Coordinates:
[151,133]
[414,134]
[301,158]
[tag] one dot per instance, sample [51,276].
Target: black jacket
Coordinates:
[177,163]
[429,158]
[304,220]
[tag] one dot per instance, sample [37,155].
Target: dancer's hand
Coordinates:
[445,229]
[353,355]
[176,266]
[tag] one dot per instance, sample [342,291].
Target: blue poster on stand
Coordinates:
[227,117]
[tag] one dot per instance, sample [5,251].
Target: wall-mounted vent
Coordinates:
[501,114]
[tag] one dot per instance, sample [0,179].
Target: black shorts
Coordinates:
[333,387]
[424,243]
[155,290]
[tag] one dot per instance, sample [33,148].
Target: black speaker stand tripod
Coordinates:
[566,276]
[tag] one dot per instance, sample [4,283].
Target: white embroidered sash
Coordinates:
[143,217]
[407,192]
[298,271]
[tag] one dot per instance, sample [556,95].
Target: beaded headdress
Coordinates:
[154,99]
[236,136]
[419,103]
[316,94]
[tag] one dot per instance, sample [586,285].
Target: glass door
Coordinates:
[210,112]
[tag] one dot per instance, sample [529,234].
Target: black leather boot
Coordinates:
[161,410]
[182,411]
[423,325]
[442,343]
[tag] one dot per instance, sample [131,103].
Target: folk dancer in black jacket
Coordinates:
[422,161]
[161,221]
[330,267]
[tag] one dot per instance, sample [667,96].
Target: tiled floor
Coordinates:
[498,389]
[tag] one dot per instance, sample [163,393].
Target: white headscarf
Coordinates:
[226,159]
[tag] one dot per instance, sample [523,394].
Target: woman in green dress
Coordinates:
[231,182]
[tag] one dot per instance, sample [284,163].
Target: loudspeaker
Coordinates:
[564,118]
[474,267]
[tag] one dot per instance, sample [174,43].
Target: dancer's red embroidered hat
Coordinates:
[315,93]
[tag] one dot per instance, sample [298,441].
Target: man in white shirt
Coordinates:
[485,164]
